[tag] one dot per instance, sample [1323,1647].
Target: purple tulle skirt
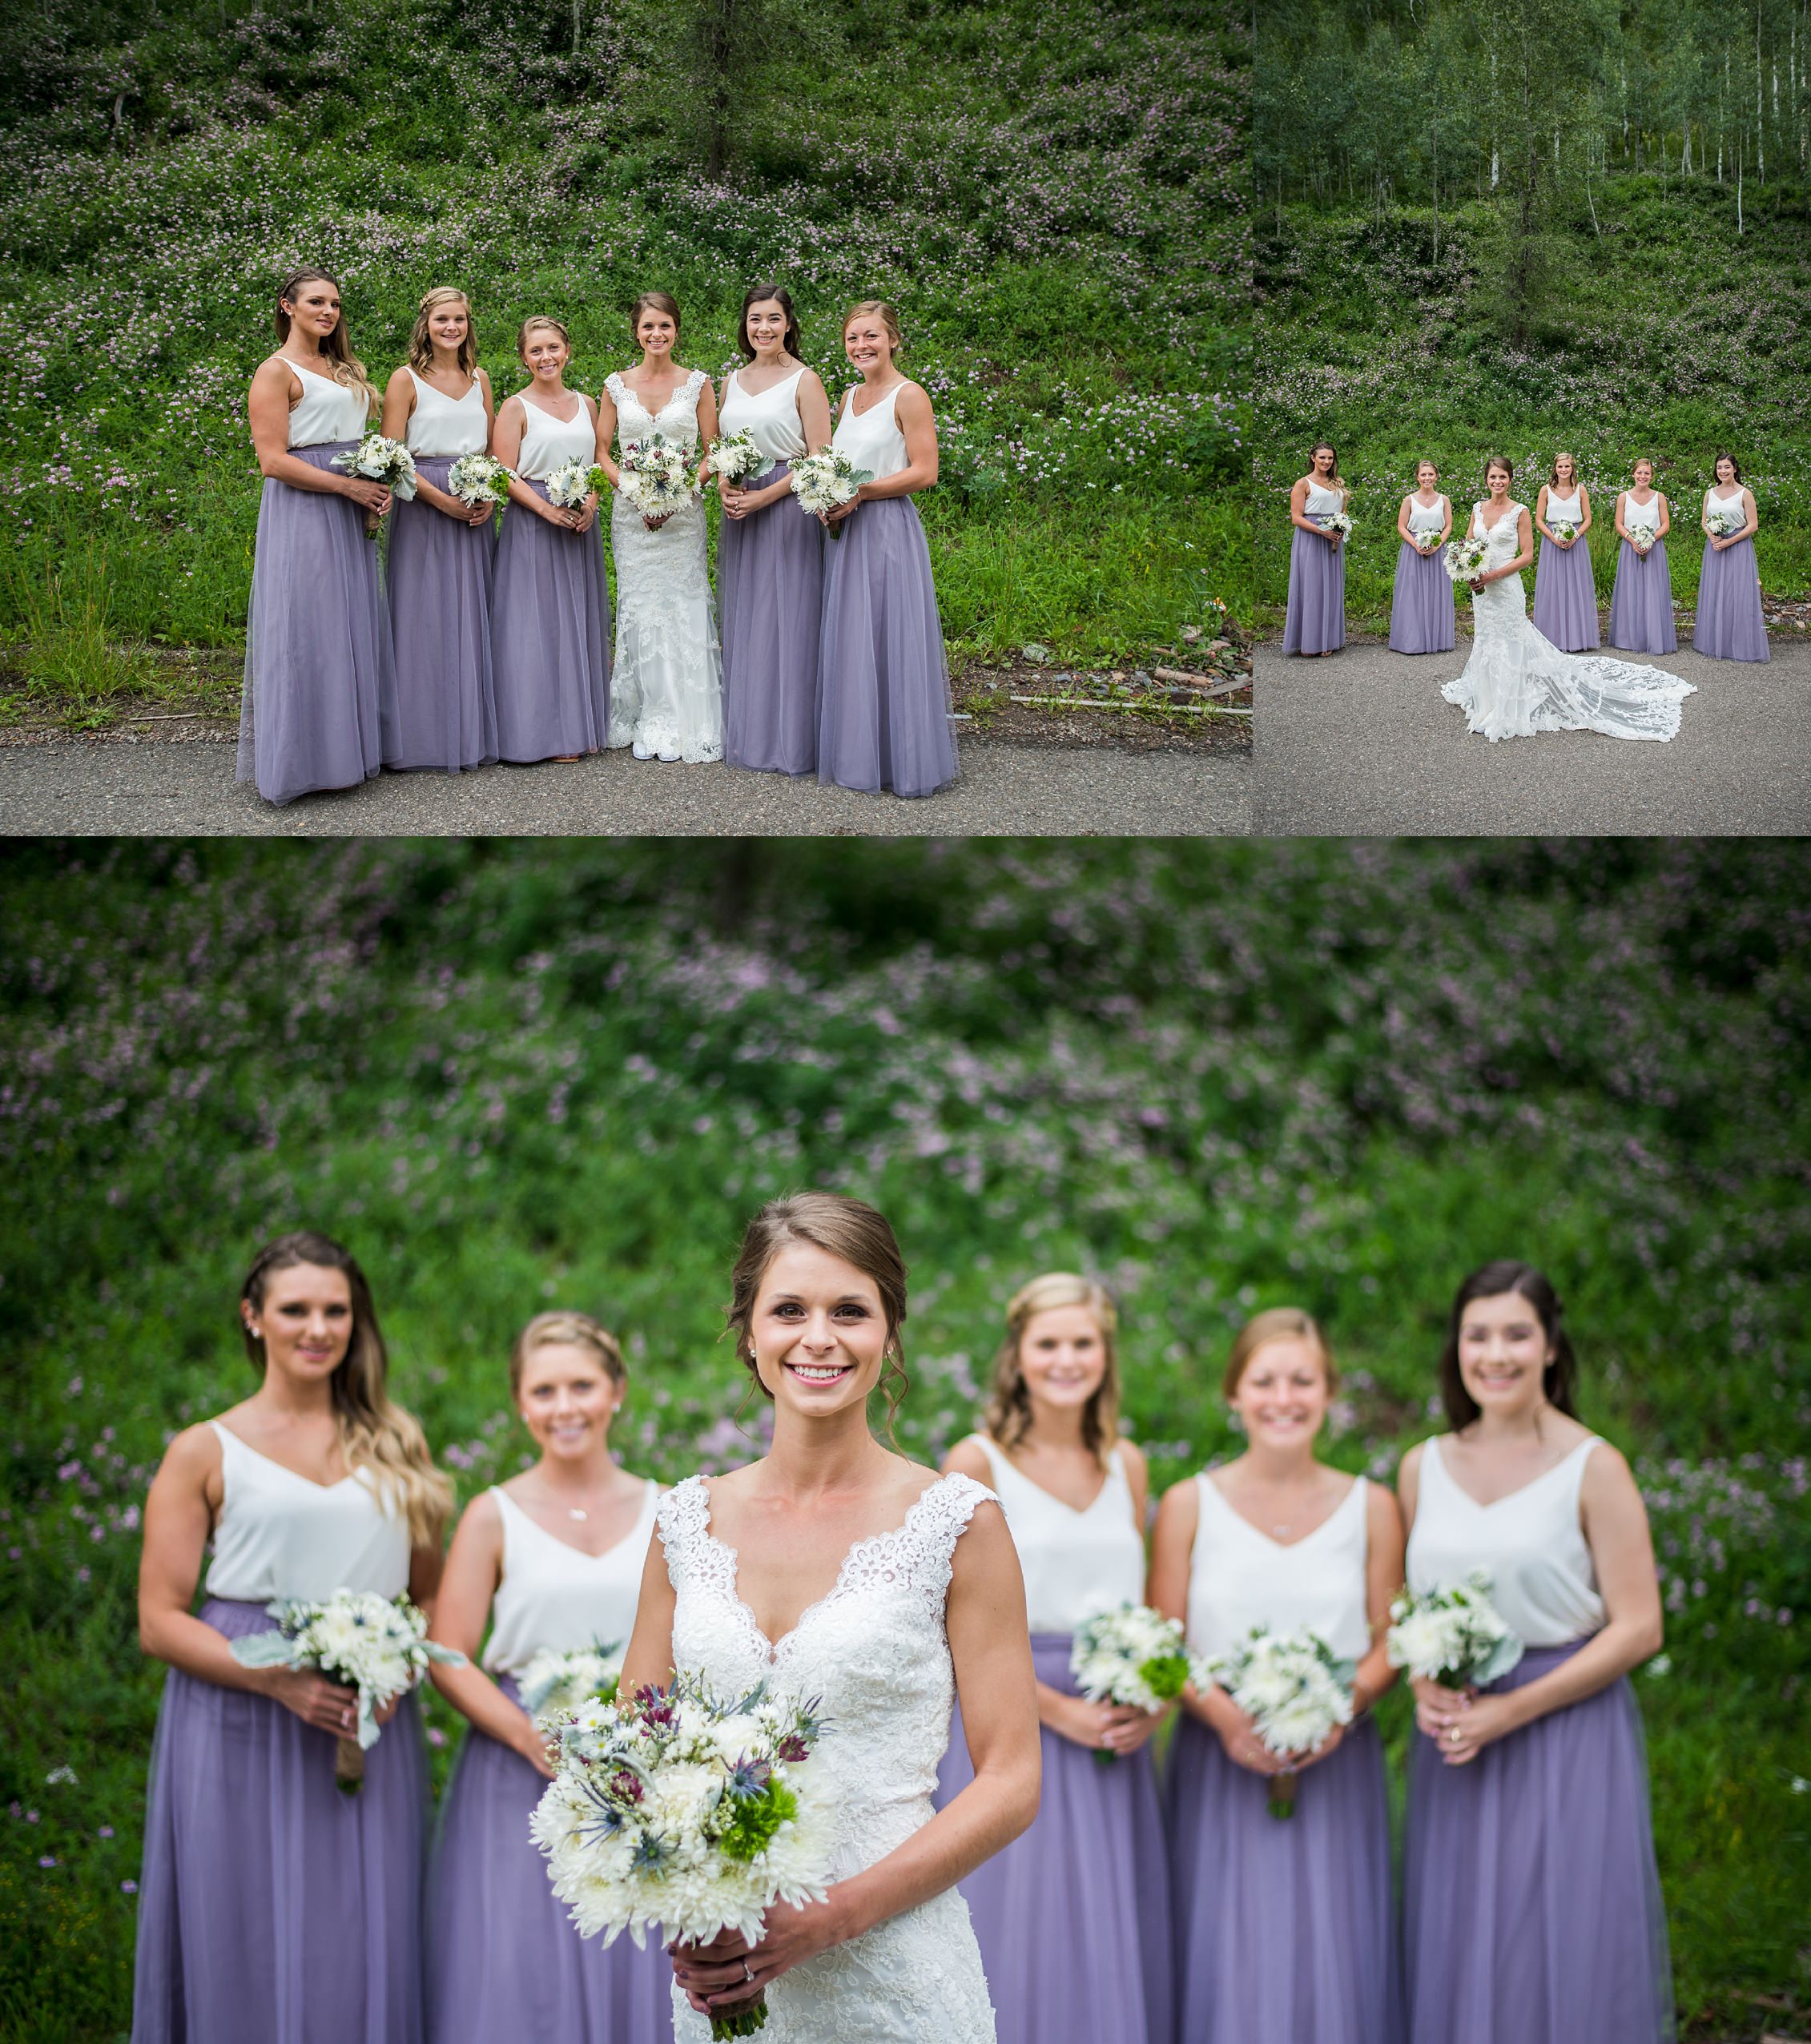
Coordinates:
[441,710]
[273,1905]
[1315,621]
[1072,1917]
[1530,1903]
[1566,597]
[883,680]
[1284,1931]
[504,1960]
[1641,603]
[549,638]
[770,584]
[1421,610]
[317,642]
[1730,624]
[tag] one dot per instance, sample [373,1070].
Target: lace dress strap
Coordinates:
[923,1551]
[617,388]
[695,381]
[683,1523]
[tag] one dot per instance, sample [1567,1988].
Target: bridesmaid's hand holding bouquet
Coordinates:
[827,482]
[1296,1692]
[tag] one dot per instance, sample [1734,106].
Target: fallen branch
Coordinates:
[1154,709]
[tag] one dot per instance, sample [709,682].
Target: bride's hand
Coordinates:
[729,1970]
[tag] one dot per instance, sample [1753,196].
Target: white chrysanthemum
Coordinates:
[1420,1642]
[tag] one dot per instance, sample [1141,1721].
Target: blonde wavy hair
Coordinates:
[345,367]
[1277,1323]
[1008,1416]
[421,341]
[375,1432]
[1553,473]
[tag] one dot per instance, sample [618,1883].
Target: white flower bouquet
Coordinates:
[1336,521]
[1426,538]
[1464,559]
[683,1812]
[1725,524]
[477,479]
[734,459]
[569,485]
[1131,1656]
[1456,1637]
[1562,529]
[376,1645]
[657,476]
[1294,1690]
[823,481]
[555,1684]
[380,460]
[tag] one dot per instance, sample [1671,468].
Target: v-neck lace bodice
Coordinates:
[874,1652]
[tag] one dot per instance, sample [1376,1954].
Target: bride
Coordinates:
[1517,682]
[839,1570]
[666,686]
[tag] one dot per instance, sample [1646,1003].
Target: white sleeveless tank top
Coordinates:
[280,1535]
[1642,517]
[1427,517]
[1569,509]
[1531,1541]
[1322,502]
[873,440]
[1078,1564]
[440,424]
[1239,1579]
[548,442]
[554,1599]
[1731,504]
[327,412]
[769,417]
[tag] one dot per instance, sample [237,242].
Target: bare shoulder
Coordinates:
[194,1453]
[276,373]
[1180,1507]
[810,379]
[400,380]
[1607,1472]
[482,378]
[913,399]
[969,1458]
[1382,1513]
[1138,1467]
[1408,1470]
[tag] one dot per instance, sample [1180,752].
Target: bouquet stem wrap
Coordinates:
[349,1765]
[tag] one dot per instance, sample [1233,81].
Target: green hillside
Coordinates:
[1221,1078]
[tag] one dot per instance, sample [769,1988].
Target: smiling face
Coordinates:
[867,343]
[447,326]
[1322,460]
[1282,1396]
[315,309]
[1496,481]
[818,1331]
[1503,1352]
[1426,476]
[1062,1356]
[766,326]
[567,1399]
[1564,473]
[304,1321]
[1643,475]
[655,333]
[544,354]
[1725,472]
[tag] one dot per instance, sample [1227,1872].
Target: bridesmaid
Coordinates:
[549,604]
[770,561]
[1421,611]
[1284,1929]
[1565,595]
[317,636]
[1530,1898]
[1730,626]
[1641,603]
[1315,621]
[552,1559]
[272,1904]
[883,683]
[1074,1493]
[441,710]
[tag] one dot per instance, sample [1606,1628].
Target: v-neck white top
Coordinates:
[280,1535]
[1240,1579]
[554,1599]
[440,425]
[1076,1564]
[769,417]
[1531,1542]
[327,412]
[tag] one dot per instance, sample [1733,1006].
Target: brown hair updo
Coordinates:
[1008,1416]
[527,327]
[859,1234]
[661,301]
[560,1325]
[877,308]
[1277,1323]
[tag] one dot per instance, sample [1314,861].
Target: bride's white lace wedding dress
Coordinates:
[1518,682]
[667,683]
[874,1650]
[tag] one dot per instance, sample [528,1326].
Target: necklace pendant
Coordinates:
[573,1511]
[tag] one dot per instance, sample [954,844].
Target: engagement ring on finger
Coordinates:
[748,1971]
[1452,1736]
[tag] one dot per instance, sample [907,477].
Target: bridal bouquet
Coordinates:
[734,459]
[1293,1691]
[657,476]
[1131,1656]
[571,483]
[1465,559]
[687,1812]
[1455,1637]
[380,460]
[554,1684]
[376,1645]
[1563,529]
[477,479]
[1336,521]
[1723,524]
[823,481]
